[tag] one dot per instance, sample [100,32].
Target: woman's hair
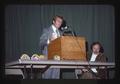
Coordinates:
[97,43]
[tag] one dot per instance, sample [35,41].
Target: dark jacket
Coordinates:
[102,73]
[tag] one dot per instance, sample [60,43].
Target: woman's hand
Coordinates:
[84,70]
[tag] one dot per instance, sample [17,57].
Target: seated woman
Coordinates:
[96,56]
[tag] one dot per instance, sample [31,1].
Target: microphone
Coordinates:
[64,28]
[68,31]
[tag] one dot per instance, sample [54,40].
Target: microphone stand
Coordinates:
[67,29]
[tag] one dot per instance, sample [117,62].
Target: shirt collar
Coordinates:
[93,57]
[54,28]
[94,54]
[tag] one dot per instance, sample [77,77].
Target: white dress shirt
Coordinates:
[55,33]
[93,57]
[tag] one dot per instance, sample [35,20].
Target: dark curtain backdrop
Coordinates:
[24,24]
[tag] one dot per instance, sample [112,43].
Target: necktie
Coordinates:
[58,35]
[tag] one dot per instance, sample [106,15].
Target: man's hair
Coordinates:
[97,43]
[57,16]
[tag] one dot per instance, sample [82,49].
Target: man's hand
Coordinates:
[54,36]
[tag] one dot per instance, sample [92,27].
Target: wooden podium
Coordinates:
[68,48]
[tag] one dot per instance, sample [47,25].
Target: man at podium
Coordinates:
[48,35]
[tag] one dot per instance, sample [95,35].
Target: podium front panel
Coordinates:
[68,48]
